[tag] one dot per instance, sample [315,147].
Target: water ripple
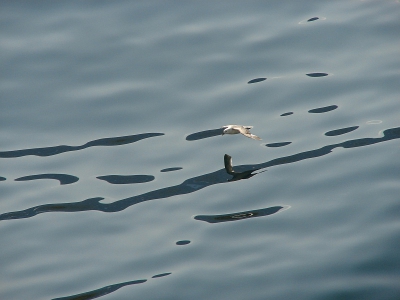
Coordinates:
[282,144]
[161,275]
[49,151]
[317,74]
[341,131]
[171,169]
[195,183]
[323,109]
[313,19]
[183,242]
[63,178]
[102,291]
[241,215]
[126,179]
[257,80]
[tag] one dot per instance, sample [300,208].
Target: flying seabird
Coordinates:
[235,129]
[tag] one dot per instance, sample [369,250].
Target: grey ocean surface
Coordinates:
[112,175]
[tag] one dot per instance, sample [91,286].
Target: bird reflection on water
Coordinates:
[237,175]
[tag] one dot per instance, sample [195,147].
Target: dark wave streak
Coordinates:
[194,184]
[100,292]
[63,178]
[161,275]
[341,131]
[171,169]
[49,151]
[126,179]
[317,74]
[323,109]
[257,80]
[275,145]
[240,215]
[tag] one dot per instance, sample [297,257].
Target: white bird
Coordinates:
[235,129]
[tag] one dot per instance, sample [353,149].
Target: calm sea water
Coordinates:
[114,177]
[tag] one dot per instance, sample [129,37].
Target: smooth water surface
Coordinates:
[116,182]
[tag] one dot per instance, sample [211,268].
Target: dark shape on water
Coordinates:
[184,242]
[322,109]
[257,80]
[240,215]
[236,175]
[274,145]
[171,169]
[312,19]
[100,292]
[204,134]
[126,179]
[317,74]
[49,151]
[287,114]
[161,275]
[63,178]
[2,178]
[194,184]
[341,131]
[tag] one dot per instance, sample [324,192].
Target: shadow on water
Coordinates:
[241,215]
[204,134]
[195,183]
[48,151]
[63,178]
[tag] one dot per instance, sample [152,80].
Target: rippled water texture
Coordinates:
[116,181]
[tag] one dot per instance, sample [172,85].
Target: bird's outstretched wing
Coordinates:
[245,131]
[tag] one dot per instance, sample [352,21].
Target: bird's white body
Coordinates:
[235,129]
